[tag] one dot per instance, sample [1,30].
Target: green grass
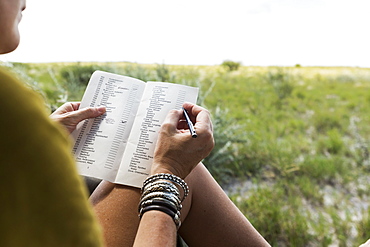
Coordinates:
[299,135]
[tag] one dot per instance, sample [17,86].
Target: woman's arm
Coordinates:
[156,229]
[176,153]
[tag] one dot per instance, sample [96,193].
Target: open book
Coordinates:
[119,145]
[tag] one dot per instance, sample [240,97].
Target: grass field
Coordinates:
[291,142]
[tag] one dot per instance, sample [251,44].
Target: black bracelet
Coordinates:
[159,208]
[161,202]
[174,216]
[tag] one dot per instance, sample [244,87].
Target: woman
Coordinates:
[44,202]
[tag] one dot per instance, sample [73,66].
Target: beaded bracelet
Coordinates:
[159,182]
[156,182]
[169,177]
[161,186]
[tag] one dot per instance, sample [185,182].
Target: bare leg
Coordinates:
[116,208]
[211,218]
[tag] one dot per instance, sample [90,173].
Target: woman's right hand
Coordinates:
[176,151]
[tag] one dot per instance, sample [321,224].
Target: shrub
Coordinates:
[138,71]
[281,81]
[78,74]
[324,121]
[277,216]
[363,227]
[163,73]
[230,65]
[223,158]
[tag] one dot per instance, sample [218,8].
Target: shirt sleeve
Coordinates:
[43,200]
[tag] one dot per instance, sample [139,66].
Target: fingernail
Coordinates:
[101,109]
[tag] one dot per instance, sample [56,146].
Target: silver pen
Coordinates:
[190,124]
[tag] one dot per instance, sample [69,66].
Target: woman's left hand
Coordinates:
[69,114]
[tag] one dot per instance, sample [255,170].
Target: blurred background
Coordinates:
[287,83]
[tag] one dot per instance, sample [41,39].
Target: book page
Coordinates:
[158,99]
[100,142]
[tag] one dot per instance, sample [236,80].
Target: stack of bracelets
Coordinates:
[160,192]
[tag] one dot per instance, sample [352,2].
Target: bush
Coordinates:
[163,73]
[225,155]
[138,71]
[77,74]
[282,83]
[75,79]
[230,65]
[277,215]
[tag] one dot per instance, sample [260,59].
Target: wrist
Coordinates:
[161,167]
[161,192]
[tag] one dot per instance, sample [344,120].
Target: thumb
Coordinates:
[88,112]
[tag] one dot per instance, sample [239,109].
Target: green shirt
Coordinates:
[43,201]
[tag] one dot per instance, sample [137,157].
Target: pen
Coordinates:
[190,124]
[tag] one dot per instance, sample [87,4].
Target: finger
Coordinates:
[202,116]
[67,107]
[188,107]
[182,125]
[75,105]
[193,109]
[172,119]
[89,112]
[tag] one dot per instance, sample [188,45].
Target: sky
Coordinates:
[197,32]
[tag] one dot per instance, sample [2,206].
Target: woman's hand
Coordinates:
[176,151]
[69,114]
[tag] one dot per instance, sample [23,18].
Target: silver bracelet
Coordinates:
[160,186]
[169,177]
[168,196]
[159,182]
